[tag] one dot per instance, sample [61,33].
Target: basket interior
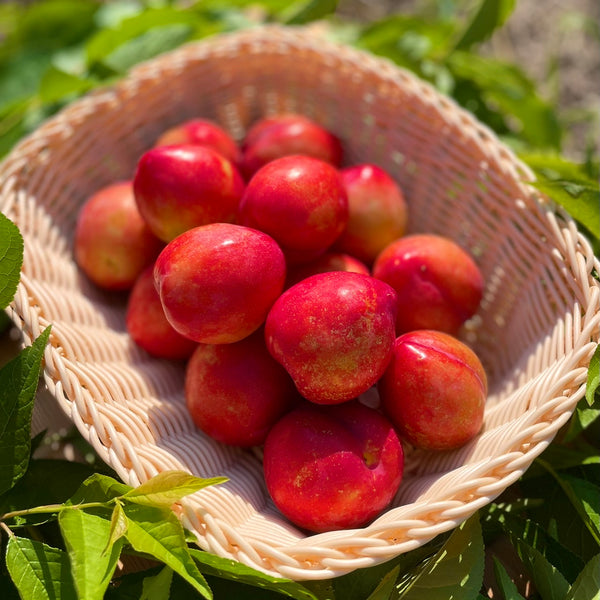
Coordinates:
[535,331]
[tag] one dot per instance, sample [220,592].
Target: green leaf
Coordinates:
[548,580]
[47,481]
[20,75]
[18,384]
[306,11]
[569,185]
[386,586]
[158,587]
[39,571]
[118,525]
[506,87]
[107,41]
[86,536]
[583,495]
[505,583]
[99,488]
[490,15]
[361,583]
[408,40]
[57,84]
[226,568]
[593,379]
[56,24]
[587,585]
[168,487]
[158,532]
[147,45]
[11,260]
[583,417]
[456,571]
[525,530]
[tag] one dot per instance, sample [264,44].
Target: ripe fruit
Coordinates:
[333,333]
[377,212]
[217,282]
[439,285]
[113,244]
[284,135]
[147,325]
[201,132]
[330,261]
[300,202]
[332,467]
[180,187]
[434,390]
[236,392]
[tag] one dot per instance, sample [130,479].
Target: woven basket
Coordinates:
[536,330]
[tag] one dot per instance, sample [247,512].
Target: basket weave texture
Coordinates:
[535,332]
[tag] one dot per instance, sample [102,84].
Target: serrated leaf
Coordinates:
[39,571]
[587,585]
[158,587]
[168,487]
[86,536]
[158,532]
[226,568]
[47,481]
[99,488]
[118,525]
[506,585]
[18,384]
[456,571]
[11,260]
[490,15]
[531,533]
[548,580]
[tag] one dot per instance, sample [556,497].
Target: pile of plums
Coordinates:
[313,325]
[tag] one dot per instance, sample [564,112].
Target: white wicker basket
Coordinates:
[536,330]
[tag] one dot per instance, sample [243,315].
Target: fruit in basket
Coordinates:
[201,132]
[330,261]
[112,243]
[333,333]
[377,211]
[147,324]
[332,467]
[434,390]
[236,392]
[184,186]
[299,201]
[282,135]
[217,282]
[438,283]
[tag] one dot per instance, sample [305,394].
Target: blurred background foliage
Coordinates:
[52,51]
